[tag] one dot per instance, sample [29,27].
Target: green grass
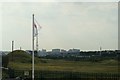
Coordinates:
[20,60]
[74,66]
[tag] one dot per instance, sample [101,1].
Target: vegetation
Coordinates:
[20,56]
[5,61]
[20,61]
[62,65]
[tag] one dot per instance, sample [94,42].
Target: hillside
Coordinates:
[20,56]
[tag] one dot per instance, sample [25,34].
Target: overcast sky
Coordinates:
[65,25]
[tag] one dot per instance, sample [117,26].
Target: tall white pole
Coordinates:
[33,50]
[37,43]
[20,48]
[12,45]
[100,50]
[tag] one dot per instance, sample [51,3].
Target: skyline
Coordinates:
[65,25]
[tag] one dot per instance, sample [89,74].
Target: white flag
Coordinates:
[35,30]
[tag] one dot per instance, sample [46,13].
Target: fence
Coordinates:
[63,75]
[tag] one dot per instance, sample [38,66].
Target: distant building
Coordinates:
[55,51]
[42,53]
[30,52]
[49,53]
[74,51]
[63,52]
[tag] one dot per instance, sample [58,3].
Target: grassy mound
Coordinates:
[20,56]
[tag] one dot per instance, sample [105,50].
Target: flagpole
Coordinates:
[12,45]
[37,43]
[33,50]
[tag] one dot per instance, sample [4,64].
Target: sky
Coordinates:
[59,0]
[65,25]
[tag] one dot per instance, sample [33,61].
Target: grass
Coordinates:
[20,60]
[63,65]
